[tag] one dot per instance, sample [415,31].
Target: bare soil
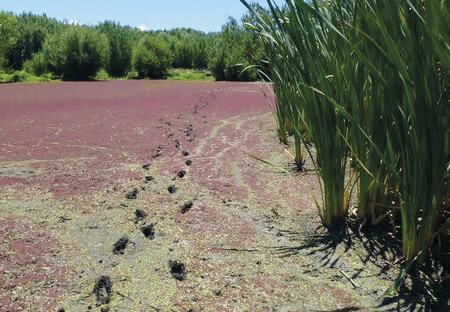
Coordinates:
[143,196]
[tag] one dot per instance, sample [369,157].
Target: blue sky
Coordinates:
[205,15]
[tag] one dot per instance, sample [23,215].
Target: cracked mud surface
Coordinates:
[143,196]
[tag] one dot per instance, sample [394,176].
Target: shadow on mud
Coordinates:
[426,289]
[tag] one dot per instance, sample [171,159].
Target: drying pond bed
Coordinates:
[143,196]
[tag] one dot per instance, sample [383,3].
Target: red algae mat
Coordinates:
[147,196]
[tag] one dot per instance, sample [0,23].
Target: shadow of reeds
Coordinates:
[424,290]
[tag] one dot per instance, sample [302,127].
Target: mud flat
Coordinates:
[142,196]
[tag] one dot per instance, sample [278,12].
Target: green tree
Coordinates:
[77,53]
[188,48]
[151,57]
[32,30]
[232,51]
[120,44]
[8,34]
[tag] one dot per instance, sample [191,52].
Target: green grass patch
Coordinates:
[102,75]
[179,74]
[24,77]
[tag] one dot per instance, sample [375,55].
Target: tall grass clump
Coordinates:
[298,42]
[370,82]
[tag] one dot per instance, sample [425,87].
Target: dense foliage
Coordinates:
[188,48]
[8,34]
[151,57]
[232,51]
[32,30]
[41,45]
[76,53]
[120,48]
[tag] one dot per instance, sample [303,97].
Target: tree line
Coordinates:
[41,45]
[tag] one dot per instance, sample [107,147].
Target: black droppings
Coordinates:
[178,270]
[177,144]
[181,174]
[172,189]
[188,162]
[158,151]
[149,178]
[148,231]
[186,206]
[146,166]
[132,194]
[120,245]
[103,289]
[185,153]
[140,214]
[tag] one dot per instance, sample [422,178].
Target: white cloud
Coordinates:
[142,27]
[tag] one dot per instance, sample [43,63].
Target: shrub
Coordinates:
[37,65]
[151,58]
[102,75]
[77,53]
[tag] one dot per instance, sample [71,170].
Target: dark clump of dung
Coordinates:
[61,310]
[172,189]
[102,290]
[186,206]
[120,245]
[132,194]
[146,166]
[178,270]
[177,144]
[189,133]
[148,231]
[181,174]
[185,153]
[188,162]
[140,214]
[149,178]
[158,151]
